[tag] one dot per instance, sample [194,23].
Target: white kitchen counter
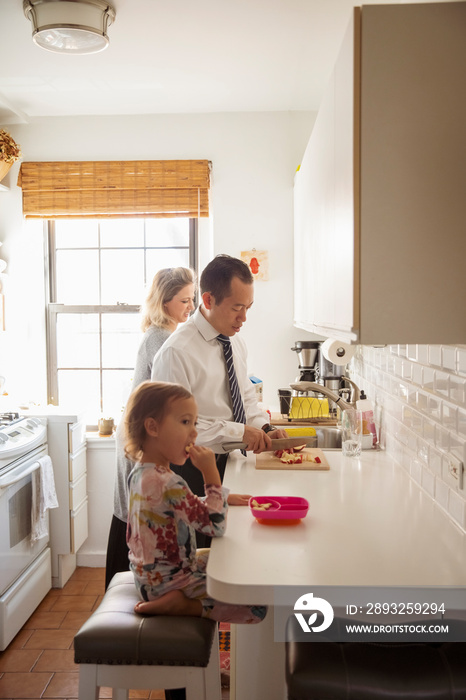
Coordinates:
[368,524]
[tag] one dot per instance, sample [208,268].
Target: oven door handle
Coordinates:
[26,472]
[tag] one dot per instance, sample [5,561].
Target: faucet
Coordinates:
[336,398]
[355,394]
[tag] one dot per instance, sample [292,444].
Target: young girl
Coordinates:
[170,574]
[169,303]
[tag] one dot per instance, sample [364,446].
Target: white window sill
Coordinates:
[96,441]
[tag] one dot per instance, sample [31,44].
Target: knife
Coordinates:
[277,444]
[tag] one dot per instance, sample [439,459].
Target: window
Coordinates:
[98,273]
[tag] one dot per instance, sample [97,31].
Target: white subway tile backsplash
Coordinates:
[435,355]
[406,370]
[462,423]
[412,442]
[441,383]
[428,375]
[403,391]
[428,430]
[449,416]
[423,354]
[390,364]
[434,408]
[422,401]
[457,390]
[377,359]
[416,470]
[420,393]
[423,450]
[416,423]
[449,357]
[412,395]
[386,383]
[398,367]
[407,414]
[402,434]
[462,361]
[457,444]
[442,438]
[457,509]
[435,460]
[417,375]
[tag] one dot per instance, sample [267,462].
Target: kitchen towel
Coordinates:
[44,497]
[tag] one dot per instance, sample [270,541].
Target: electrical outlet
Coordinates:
[456,469]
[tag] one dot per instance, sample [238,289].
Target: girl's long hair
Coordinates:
[149,400]
[165,285]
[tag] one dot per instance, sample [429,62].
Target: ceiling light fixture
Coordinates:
[70,26]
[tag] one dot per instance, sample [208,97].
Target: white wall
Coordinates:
[254,157]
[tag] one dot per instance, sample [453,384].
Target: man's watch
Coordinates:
[267,428]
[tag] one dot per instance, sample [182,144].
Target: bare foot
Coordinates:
[172,603]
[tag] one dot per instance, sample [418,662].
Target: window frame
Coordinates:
[53,309]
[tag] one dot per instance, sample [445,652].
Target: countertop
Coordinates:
[368,524]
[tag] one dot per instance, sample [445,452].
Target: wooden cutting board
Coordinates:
[267,460]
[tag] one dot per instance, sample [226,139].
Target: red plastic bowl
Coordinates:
[284,508]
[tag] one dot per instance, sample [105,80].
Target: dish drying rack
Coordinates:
[309,406]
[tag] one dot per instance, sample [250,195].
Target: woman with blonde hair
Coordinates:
[166,298]
[169,302]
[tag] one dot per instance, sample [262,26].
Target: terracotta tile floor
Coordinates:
[39,661]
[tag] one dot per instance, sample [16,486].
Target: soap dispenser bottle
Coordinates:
[365,405]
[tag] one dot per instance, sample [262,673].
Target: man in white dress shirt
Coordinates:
[194,357]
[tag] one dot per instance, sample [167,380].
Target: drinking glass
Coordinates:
[351,435]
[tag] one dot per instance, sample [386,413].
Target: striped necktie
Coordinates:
[239,415]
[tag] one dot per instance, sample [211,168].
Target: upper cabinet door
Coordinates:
[380,206]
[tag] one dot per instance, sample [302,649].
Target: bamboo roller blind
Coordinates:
[93,189]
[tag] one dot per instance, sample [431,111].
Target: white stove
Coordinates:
[25,571]
[18,436]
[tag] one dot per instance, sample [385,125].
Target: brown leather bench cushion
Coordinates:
[364,671]
[115,634]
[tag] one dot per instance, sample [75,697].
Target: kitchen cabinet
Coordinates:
[66,437]
[69,522]
[379,200]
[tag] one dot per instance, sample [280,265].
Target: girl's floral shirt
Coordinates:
[162,519]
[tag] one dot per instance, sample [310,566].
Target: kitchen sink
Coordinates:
[328,438]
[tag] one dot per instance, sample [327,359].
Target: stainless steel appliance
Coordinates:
[330,375]
[25,570]
[308,355]
[297,402]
